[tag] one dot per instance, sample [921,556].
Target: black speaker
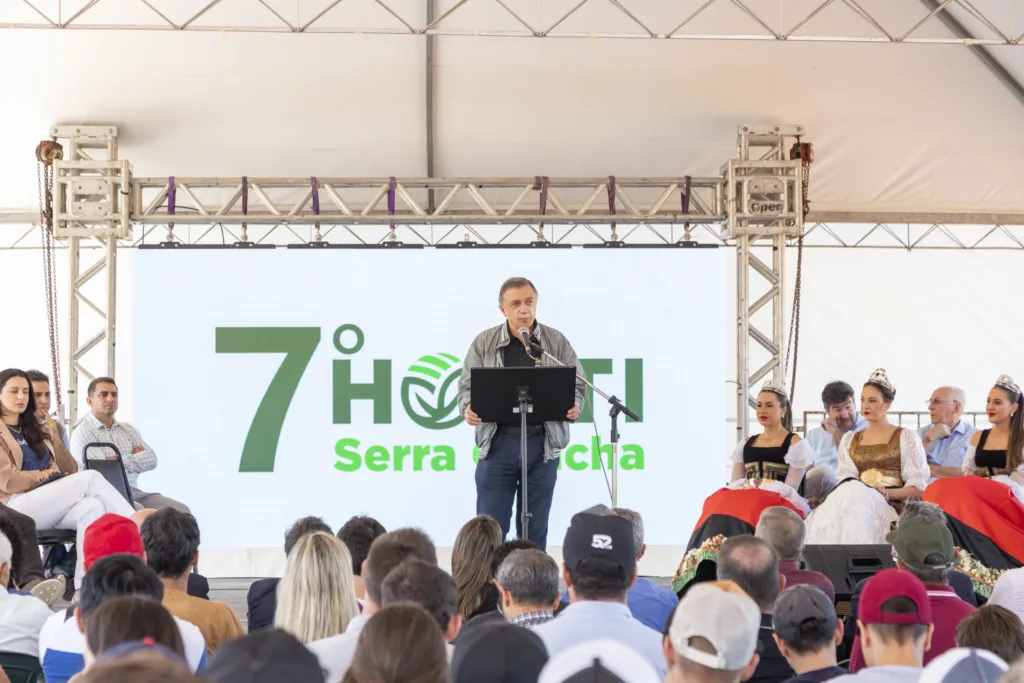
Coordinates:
[846,565]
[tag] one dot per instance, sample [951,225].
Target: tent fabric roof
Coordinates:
[896,127]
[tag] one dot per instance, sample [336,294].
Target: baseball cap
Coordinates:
[964,665]
[804,614]
[597,532]
[894,583]
[919,537]
[265,657]
[111,535]
[498,653]
[729,621]
[598,661]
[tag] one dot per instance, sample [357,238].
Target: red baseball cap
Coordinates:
[111,535]
[894,583]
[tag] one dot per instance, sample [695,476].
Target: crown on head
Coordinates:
[1006,382]
[775,388]
[881,379]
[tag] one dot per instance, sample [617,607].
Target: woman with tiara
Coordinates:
[879,468]
[767,470]
[985,511]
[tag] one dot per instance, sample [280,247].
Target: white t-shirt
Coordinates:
[21,619]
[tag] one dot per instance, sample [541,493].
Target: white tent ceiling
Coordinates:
[897,127]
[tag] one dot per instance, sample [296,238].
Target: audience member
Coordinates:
[754,566]
[895,624]
[198,585]
[21,616]
[358,534]
[472,555]
[1009,592]
[171,539]
[273,656]
[993,628]
[964,666]
[401,644]
[924,547]
[139,667]
[528,582]
[1015,674]
[115,574]
[261,600]
[130,619]
[783,529]
[807,632]
[599,569]
[316,598]
[600,661]
[428,586]
[26,563]
[650,604]
[947,438]
[39,478]
[387,552]
[712,637]
[499,653]
[41,387]
[99,426]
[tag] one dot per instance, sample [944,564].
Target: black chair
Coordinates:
[21,668]
[111,469]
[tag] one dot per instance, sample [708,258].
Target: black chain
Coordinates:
[794,323]
[45,183]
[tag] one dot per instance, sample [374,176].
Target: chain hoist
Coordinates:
[47,152]
[803,151]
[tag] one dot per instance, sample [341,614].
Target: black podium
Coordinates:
[522,396]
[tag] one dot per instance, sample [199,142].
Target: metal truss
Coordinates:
[862,21]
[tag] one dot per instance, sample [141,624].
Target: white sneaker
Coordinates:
[50,591]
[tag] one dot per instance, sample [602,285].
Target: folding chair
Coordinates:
[112,470]
[21,668]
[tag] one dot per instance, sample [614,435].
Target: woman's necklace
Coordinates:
[16,430]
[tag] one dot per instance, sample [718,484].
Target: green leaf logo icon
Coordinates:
[430,391]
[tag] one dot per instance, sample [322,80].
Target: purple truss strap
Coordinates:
[685,199]
[172,197]
[540,184]
[392,184]
[316,198]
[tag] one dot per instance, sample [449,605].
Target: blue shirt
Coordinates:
[649,603]
[950,451]
[818,675]
[589,620]
[823,446]
[30,457]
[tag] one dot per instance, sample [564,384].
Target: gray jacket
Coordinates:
[485,352]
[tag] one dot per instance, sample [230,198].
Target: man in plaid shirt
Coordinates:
[99,426]
[528,581]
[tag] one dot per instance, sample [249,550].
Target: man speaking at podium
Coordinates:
[498,472]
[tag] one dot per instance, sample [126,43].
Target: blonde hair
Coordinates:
[316,597]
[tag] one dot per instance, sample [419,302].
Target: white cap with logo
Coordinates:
[728,621]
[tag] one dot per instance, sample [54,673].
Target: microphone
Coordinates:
[533,348]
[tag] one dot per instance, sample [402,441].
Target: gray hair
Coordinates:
[530,577]
[919,508]
[6,553]
[753,565]
[784,530]
[957,394]
[513,283]
[637,521]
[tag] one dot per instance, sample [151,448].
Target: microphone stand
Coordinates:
[617,408]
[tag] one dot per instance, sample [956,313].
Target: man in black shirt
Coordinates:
[807,632]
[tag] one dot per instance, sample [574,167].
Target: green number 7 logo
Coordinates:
[298,345]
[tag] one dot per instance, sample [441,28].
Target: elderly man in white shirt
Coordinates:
[947,438]
[99,426]
[841,417]
[21,616]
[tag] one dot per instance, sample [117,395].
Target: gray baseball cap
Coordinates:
[728,621]
[804,614]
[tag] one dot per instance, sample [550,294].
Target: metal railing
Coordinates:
[902,418]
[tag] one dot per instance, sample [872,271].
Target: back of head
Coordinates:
[391,550]
[139,667]
[530,577]
[964,665]
[783,529]
[598,661]
[425,585]
[754,566]
[118,576]
[894,605]
[1009,592]
[634,518]
[171,539]
[498,653]
[306,525]
[316,595]
[266,657]
[110,535]
[714,632]
[130,619]
[993,628]
[400,644]
[358,534]
[599,552]
[472,555]
[506,549]
[920,508]
[805,619]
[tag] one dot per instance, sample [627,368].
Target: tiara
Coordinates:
[881,379]
[1006,382]
[775,388]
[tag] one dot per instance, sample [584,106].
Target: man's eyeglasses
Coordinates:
[937,402]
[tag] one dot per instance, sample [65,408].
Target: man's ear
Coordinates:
[782,582]
[783,648]
[668,652]
[840,631]
[80,620]
[748,671]
[454,626]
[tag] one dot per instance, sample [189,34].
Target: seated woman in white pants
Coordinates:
[39,478]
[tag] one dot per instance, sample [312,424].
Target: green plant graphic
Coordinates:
[430,381]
